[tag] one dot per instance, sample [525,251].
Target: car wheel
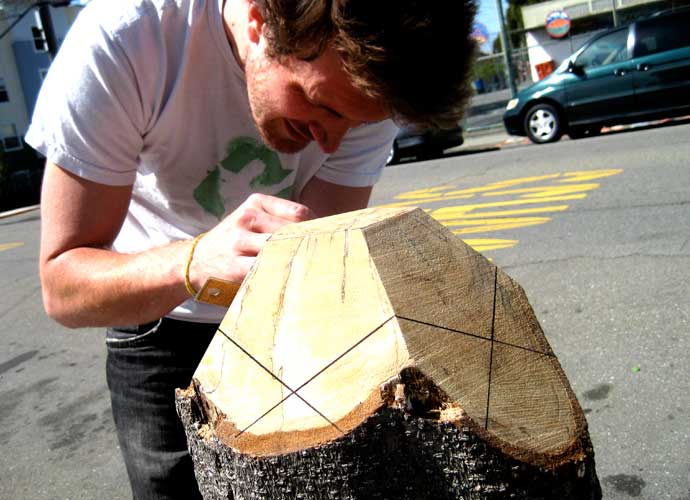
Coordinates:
[393,156]
[543,124]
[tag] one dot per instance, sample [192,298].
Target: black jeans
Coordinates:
[145,364]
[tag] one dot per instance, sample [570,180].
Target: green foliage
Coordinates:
[514,21]
[497,47]
[488,70]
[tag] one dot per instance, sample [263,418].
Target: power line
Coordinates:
[43,4]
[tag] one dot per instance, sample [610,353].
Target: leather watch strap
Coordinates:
[217,292]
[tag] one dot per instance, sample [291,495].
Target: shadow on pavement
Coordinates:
[451,154]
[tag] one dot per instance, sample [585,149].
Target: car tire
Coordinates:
[543,124]
[393,156]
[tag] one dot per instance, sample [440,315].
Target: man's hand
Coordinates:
[229,249]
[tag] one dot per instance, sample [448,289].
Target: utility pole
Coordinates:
[46,22]
[48,29]
[505,42]
[615,13]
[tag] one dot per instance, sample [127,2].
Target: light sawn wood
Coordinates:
[383,315]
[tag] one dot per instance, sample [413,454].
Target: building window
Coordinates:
[4,96]
[40,44]
[9,139]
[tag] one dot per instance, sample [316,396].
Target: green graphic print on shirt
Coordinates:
[240,153]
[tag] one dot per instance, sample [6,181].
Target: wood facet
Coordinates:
[376,316]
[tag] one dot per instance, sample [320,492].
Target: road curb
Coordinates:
[485,130]
[19,211]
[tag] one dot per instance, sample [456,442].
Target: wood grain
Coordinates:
[344,318]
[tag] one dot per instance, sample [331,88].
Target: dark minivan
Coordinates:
[629,74]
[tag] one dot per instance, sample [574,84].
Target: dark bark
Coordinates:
[391,455]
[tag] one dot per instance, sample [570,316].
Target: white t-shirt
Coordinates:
[148,92]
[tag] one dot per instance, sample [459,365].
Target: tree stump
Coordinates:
[374,355]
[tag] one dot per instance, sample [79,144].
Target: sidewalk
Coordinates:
[483,123]
[486,110]
[19,211]
[491,138]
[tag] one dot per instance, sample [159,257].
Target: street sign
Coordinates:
[558,23]
[480,33]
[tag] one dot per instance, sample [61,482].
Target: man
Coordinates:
[179,134]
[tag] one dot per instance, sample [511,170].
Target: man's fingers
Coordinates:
[257,220]
[250,243]
[284,209]
[230,249]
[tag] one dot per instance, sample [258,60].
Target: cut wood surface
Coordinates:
[382,315]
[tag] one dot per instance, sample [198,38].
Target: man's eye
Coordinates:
[332,112]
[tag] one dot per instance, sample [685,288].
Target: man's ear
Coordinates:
[255,23]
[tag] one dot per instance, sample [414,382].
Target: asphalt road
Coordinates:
[597,231]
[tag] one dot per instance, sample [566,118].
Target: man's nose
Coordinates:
[328,135]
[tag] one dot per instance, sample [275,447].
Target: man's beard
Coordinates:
[273,129]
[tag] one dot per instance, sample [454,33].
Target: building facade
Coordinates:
[24,62]
[588,17]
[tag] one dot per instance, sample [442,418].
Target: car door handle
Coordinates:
[620,71]
[644,67]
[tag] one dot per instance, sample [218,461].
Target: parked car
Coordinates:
[625,75]
[424,144]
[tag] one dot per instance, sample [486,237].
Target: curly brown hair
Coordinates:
[414,55]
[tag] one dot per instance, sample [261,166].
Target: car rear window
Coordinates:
[662,33]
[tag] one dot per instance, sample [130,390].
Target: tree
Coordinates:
[514,22]
[374,355]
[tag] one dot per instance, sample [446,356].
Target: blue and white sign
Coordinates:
[558,24]
[480,33]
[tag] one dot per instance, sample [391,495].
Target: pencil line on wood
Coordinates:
[507,344]
[280,381]
[346,352]
[491,355]
[313,377]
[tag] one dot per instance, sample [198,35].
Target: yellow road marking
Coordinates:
[9,246]
[457,211]
[589,175]
[504,184]
[414,203]
[518,211]
[484,244]
[483,226]
[543,192]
